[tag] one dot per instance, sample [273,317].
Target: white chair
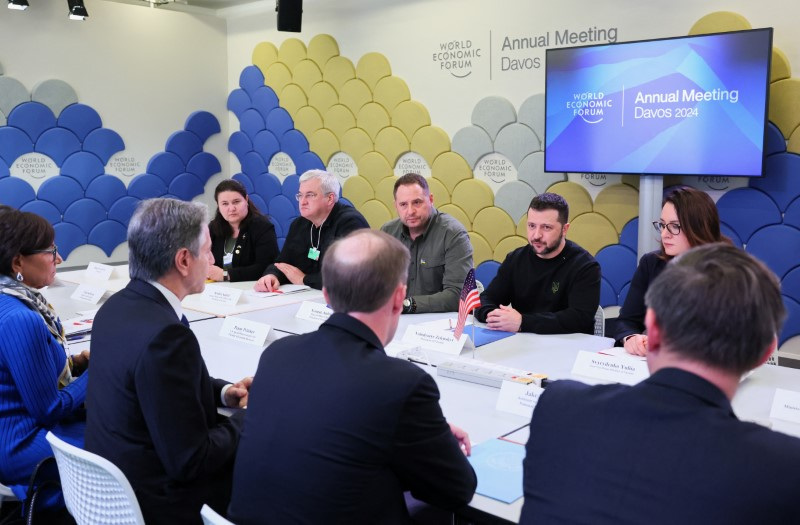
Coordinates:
[600,322]
[95,490]
[211,517]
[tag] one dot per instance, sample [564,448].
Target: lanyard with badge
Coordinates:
[227,253]
[313,252]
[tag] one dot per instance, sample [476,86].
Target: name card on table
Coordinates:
[786,405]
[314,312]
[617,369]
[434,339]
[518,398]
[90,294]
[99,272]
[244,331]
[222,295]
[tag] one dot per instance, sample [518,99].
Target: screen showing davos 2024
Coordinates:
[685,106]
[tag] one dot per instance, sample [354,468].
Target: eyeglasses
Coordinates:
[308,196]
[53,250]
[673,227]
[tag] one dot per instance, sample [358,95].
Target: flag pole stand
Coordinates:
[474,346]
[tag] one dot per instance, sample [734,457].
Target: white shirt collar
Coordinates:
[171,298]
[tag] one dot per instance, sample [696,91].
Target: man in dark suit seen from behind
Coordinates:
[336,430]
[151,405]
[670,449]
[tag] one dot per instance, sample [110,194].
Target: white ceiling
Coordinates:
[221,8]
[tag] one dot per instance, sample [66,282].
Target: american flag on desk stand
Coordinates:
[469,300]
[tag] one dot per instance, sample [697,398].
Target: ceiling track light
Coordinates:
[77,11]
[19,5]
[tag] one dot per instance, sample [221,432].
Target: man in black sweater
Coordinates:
[550,286]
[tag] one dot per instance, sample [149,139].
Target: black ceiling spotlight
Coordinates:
[20,5]
[77,11]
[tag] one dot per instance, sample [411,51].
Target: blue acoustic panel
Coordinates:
[747,210]
[294,143]
[792,215]
[166,166]
[268,186]
[253,165]
[791,327]
[45,209]
[13,143]
[122,210]
[250,79]
[240,144]
[60,192]
[184,144]
[186,186]
[204,165]
[279,121]
[607,295]
[203,124]
[108,235]
[4,171]
[33,118]
[617,265]
[282,211]
[278,230]
[83,167]
[266,145]
[239,102]
[85,214]
[68,237]
[630,234]
[146,186]
[308,161]
[290,188]
[777,246]
[623,294]
[728,232]
[780,180]
[58,144]
[773,140]
[790,284]
[104,143]
[251,122]
[246,181]
[486,271]
[265,100]
[106,190]
[15,192]
[80,119]
[258,202]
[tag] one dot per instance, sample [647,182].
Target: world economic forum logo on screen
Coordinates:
[591,106]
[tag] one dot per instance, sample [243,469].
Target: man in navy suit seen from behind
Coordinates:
[336,430]
[670,449]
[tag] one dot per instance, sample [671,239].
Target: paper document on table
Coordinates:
[283,290]
[498,465]
[77,325]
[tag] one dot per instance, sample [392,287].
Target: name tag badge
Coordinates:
[313,254]
[227,259]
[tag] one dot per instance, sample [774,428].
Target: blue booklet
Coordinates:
[485,336]
[498,465]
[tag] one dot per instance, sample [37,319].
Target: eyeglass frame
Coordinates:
[670,227]
[299,196]
[53,251]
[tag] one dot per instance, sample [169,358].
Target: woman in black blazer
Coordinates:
[243,239]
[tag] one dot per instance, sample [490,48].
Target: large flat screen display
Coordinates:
[681,106]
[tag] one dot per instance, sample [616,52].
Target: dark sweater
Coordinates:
[554,296]
[255,249]
[631,316]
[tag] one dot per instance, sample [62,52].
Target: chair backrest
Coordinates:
[95,490]
[210,517]
[600,322]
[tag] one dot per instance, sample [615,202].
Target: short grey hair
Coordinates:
[157,230]
[718,305]
[327,181]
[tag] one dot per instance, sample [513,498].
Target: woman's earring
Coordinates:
[19,277]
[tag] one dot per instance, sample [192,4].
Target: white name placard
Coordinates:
[786,405]
[244,331]
[434,339]
[518,398]
[99,272]
[90,294]
[222,295]
[314,312]
[617,369]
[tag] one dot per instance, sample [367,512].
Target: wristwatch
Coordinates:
[225,276]
[409,305]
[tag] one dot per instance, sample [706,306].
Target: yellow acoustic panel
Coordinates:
[356,143]
[376,213]
[460,216]
[784,105]
[522,226]
[322,48]
[372,68]
[384,192]
[576,196]
[409,116]
[793,143]
[472,196]
[292,51]
[339,119]
[374,167]
[264,55]
[372,118]
[292,98]
[391,143]
[781,68]
[324,143]
[430,142]
[277,76]
[440,194]
[507,245]
[480,249]
[391,91]
[358,191]
[619,203]
[306,74]
[451,168]
[593,232]
[338,70]
[322,96]
[719,22]
[308,120]
[354,94]
[494,225]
